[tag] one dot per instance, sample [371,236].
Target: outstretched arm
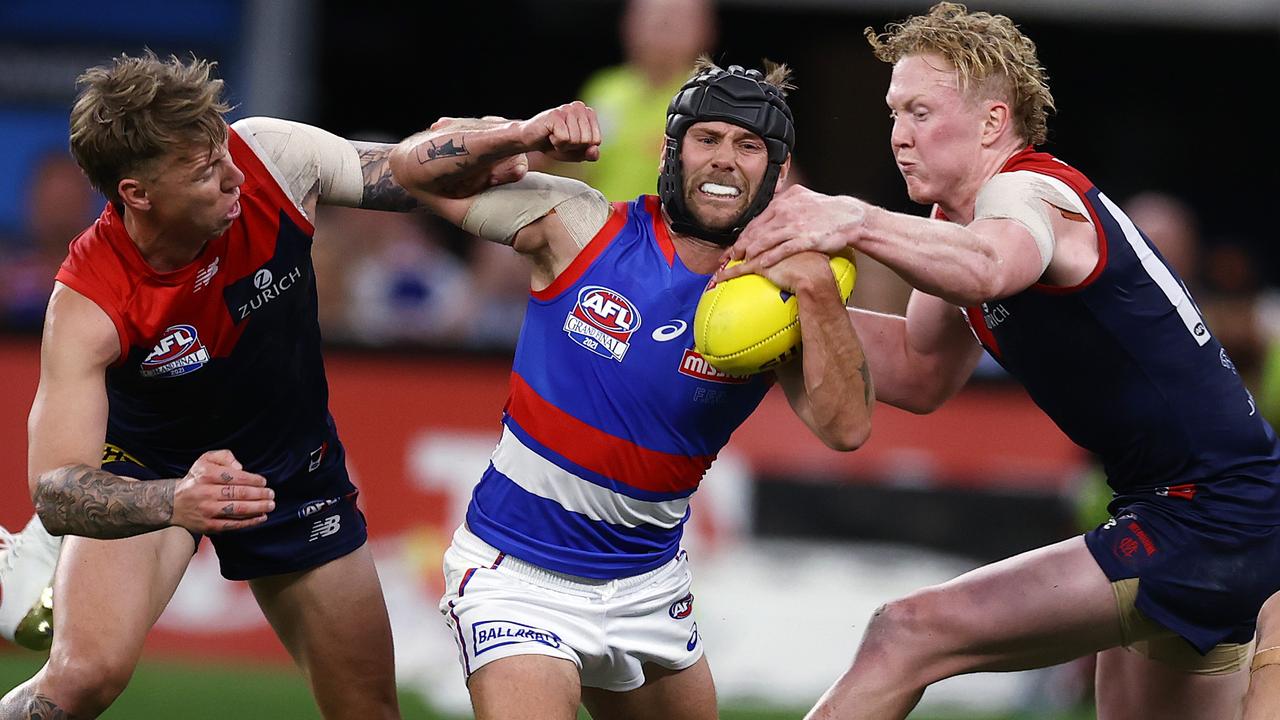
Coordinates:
[66,430]
[459,157]
[472,172]
[316,167]
[988,259]
[829,386]
[921,360]
[456,158]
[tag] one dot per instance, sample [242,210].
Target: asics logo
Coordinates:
[670,331]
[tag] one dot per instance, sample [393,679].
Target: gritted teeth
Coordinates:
[711,188]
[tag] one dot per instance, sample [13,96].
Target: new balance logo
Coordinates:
[324,528]
[204,276]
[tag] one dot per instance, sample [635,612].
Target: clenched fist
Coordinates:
[217,495]
[569,133]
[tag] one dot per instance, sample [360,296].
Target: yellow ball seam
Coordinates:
[765,341]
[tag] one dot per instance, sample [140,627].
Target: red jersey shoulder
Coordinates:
[260,186]
[1050,165]
[96,268]
[93,263]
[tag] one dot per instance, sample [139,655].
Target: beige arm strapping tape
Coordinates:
[299,156]
[1018,196]
[500,212]
[1265,657]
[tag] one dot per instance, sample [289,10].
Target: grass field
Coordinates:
[217,692]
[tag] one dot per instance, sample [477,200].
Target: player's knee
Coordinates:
[84,685]
[904,631]
[896,621]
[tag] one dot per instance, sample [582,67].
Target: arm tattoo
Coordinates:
[381,191]
[866,381]
[81,500]
[435,152]
[25,703]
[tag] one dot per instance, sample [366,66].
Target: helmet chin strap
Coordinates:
[736,96]
[688,225]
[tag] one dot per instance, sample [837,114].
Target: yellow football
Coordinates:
[748,325]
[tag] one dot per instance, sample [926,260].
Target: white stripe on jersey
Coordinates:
[1173,289]
[543,478]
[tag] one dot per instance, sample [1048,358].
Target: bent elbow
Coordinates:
[51,518]
[849,438]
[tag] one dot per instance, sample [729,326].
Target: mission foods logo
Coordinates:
[694,365]
[179,352]
[602,322]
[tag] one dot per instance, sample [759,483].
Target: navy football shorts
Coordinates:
[1204,581]
[316,519]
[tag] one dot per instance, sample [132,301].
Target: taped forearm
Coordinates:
[87,501]
[500,212]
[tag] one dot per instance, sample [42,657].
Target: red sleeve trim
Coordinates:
[586,256]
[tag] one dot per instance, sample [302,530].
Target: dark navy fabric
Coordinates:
[1125,365]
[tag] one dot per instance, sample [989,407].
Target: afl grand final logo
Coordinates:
[178,352]
[602,321]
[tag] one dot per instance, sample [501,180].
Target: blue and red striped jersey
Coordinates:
[613,417]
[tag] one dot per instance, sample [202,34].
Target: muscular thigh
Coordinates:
[526,687]
[110,592]
[687,694]
[332,618]
[1132,686]
[1042,607]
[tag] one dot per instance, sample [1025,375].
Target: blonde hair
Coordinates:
[776,74]
[989,52]
[136,109]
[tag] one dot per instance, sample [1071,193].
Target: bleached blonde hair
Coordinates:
[990,54]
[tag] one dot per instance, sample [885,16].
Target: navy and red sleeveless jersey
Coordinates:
[222,353]
[613,417]
[1126,367]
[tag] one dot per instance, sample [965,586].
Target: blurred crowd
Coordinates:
[388,279]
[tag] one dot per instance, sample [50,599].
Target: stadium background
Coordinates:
[794,545]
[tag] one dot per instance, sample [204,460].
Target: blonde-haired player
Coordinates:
[1026,258]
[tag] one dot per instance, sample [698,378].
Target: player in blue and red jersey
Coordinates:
[567,583]
[182,392]
[1024,253]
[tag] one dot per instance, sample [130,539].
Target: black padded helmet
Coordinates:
[736,96]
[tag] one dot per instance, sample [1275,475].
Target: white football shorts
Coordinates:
[498,606]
